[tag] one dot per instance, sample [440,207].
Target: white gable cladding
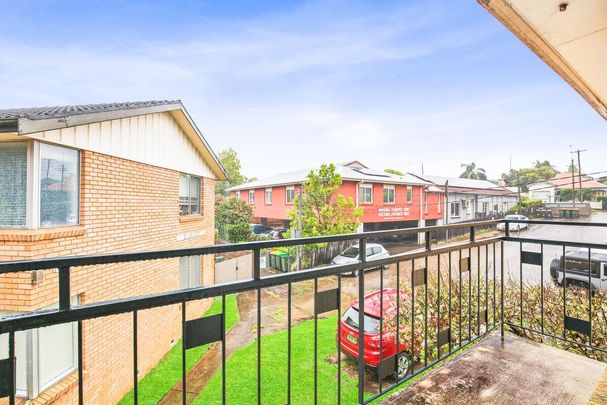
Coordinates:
[155,139]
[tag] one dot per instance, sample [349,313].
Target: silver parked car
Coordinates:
[514,226]
[375,251]
[577,269]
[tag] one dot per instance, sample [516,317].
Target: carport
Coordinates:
[386,226]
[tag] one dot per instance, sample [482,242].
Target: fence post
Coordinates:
[362,255]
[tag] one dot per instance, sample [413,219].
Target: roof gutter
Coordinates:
[11,125]
[29,126]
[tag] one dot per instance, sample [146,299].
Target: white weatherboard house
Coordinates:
[470,199]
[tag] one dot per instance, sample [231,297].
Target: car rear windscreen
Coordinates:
[350,318]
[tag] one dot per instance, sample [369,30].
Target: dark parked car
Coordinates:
[259,229]
[275,234]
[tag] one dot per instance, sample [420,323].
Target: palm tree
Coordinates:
[472,172]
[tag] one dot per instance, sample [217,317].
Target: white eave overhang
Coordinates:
[569,36]
[24,126]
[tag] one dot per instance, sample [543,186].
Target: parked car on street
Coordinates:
[514,226]
[375,251]
[348,333]
[259,229]
[576,269]
[275,234]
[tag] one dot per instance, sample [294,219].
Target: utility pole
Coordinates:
[579,171]
[519,197]
[572,181]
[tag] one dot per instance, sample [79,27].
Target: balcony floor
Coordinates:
[517,371]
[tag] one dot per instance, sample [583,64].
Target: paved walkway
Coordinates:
[517,371]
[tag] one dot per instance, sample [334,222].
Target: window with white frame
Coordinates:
[59,185]
[455,209]
[44,356]
[426,202]
[290,194]
[238,194]
[13,184]
[409,194]
[189,194]
[268,196]
[439,203]
[39,185]
[251,196]
[365,193]
[485,208]
[504,207]
[389,194]
[189,271]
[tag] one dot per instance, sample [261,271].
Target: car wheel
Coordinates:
[403,365]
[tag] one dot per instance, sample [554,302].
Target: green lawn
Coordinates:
[241,370]
[168,371]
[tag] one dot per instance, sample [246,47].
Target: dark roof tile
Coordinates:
[38,113]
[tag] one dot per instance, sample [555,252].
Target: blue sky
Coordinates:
[291,85]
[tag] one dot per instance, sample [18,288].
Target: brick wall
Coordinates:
[125,206]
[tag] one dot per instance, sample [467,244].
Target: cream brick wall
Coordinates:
[125,207]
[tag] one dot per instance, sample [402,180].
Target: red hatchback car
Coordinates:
[348,328]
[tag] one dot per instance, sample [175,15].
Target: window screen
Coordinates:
[13,184]
[365,194]
[189,195]
[290,194]
[59,186]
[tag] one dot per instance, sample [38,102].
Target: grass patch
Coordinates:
[159,381]
[241,370]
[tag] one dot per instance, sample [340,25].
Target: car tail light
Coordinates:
[374,342]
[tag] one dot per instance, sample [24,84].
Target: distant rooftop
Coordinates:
[565,180]
[465,185]
[38,113]
[353,171]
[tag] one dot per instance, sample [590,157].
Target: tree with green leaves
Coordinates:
[472,172]
[233,218]
[527,175]
[566,194]
[231,163]
[324,211]
[394,171]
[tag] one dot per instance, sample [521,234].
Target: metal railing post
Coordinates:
[362,255]
[64,288]
[502,288]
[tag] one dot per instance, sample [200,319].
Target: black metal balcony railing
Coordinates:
[429,327]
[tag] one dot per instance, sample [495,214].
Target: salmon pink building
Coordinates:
[388,201]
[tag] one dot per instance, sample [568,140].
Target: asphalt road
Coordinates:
[531,273]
